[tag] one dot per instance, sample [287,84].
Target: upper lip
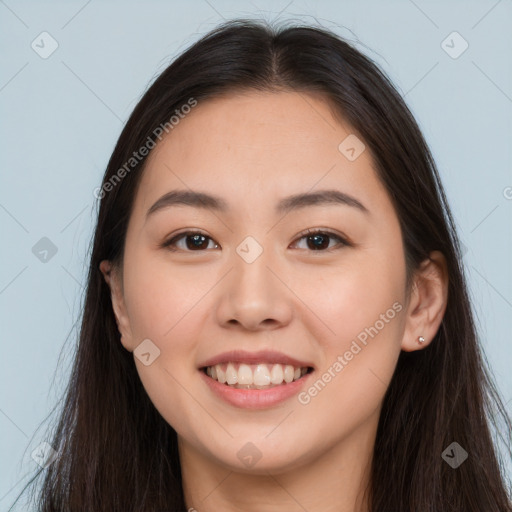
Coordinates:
[263,356]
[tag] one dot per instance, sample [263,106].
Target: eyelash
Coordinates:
[342,242]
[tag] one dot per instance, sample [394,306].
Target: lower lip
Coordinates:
[255,398]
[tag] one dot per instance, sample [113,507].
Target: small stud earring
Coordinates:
[421,339]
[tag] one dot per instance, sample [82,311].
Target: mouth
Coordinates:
[239,375]
[255,380]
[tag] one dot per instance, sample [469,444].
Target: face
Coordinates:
[248,285]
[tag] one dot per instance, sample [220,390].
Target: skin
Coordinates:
[253,149]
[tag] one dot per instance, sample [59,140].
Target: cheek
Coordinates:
[164,307]
[350,296]
[361,303]
[359,359]
[160,297]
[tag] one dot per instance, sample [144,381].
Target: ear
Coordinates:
[427,304]
[114,281]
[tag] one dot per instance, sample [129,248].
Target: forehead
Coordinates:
[258,145]
[256,127]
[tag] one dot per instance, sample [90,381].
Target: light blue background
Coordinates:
[61,117]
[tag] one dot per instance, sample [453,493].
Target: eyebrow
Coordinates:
[198,199]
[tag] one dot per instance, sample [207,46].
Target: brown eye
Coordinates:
[194,241]
[318,240]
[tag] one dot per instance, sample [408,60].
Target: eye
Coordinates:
[194,241]
[317,240]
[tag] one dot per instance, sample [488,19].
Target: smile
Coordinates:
[255,380]
[255,376]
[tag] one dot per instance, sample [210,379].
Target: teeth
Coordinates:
[259,376]
[244,374]
[231,374]
[277,375]
[288,373]
[221,374]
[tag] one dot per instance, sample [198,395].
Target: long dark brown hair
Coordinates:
[117,453]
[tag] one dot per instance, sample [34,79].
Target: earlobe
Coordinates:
[429,298]
[111,276]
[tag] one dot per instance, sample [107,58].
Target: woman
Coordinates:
[276,314]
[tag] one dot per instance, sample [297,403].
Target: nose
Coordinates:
[254,295]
